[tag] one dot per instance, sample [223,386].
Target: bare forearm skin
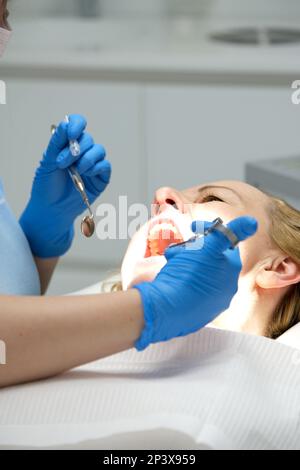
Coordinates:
[45,336]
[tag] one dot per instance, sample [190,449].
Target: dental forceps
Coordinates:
[217,224]
[87,223]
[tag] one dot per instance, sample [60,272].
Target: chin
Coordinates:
[144,270]
[145,254]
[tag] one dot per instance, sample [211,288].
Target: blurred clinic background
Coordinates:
[179,93]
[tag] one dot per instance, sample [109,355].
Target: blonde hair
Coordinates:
[285,232]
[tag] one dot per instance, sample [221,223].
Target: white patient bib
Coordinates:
[18,272]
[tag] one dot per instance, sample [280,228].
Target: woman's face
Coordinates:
[174,212]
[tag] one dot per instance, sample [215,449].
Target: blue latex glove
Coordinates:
[55,203]
[194,287]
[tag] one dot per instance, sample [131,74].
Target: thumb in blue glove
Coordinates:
[48,219]
[194,287]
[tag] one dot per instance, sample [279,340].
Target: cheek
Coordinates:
[137,246]
[133,264]
[212,210]
[251,251]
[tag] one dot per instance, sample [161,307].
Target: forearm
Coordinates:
[45,269]
[45,336]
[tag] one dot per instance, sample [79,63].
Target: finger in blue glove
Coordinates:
[54,204]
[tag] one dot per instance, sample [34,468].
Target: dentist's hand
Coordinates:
[55,203]
[194,287]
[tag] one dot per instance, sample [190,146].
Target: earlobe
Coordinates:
[281,273]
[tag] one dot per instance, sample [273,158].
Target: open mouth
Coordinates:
[161,234]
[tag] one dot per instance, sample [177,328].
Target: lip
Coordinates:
[135,266]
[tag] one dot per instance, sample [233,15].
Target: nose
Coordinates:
[165,197]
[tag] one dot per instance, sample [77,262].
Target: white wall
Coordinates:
[219,9]
[34,8]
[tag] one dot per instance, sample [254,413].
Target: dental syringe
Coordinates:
[217,224]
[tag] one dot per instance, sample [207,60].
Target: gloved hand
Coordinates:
[55,203]
[194,287]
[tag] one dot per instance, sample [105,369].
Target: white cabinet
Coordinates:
[204,133]
[113,113]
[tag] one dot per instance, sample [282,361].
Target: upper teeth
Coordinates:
[165,226]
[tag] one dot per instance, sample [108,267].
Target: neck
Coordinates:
[250,310]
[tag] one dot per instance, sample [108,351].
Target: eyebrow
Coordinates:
[204,188]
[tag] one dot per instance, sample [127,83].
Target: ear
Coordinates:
[278,273]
